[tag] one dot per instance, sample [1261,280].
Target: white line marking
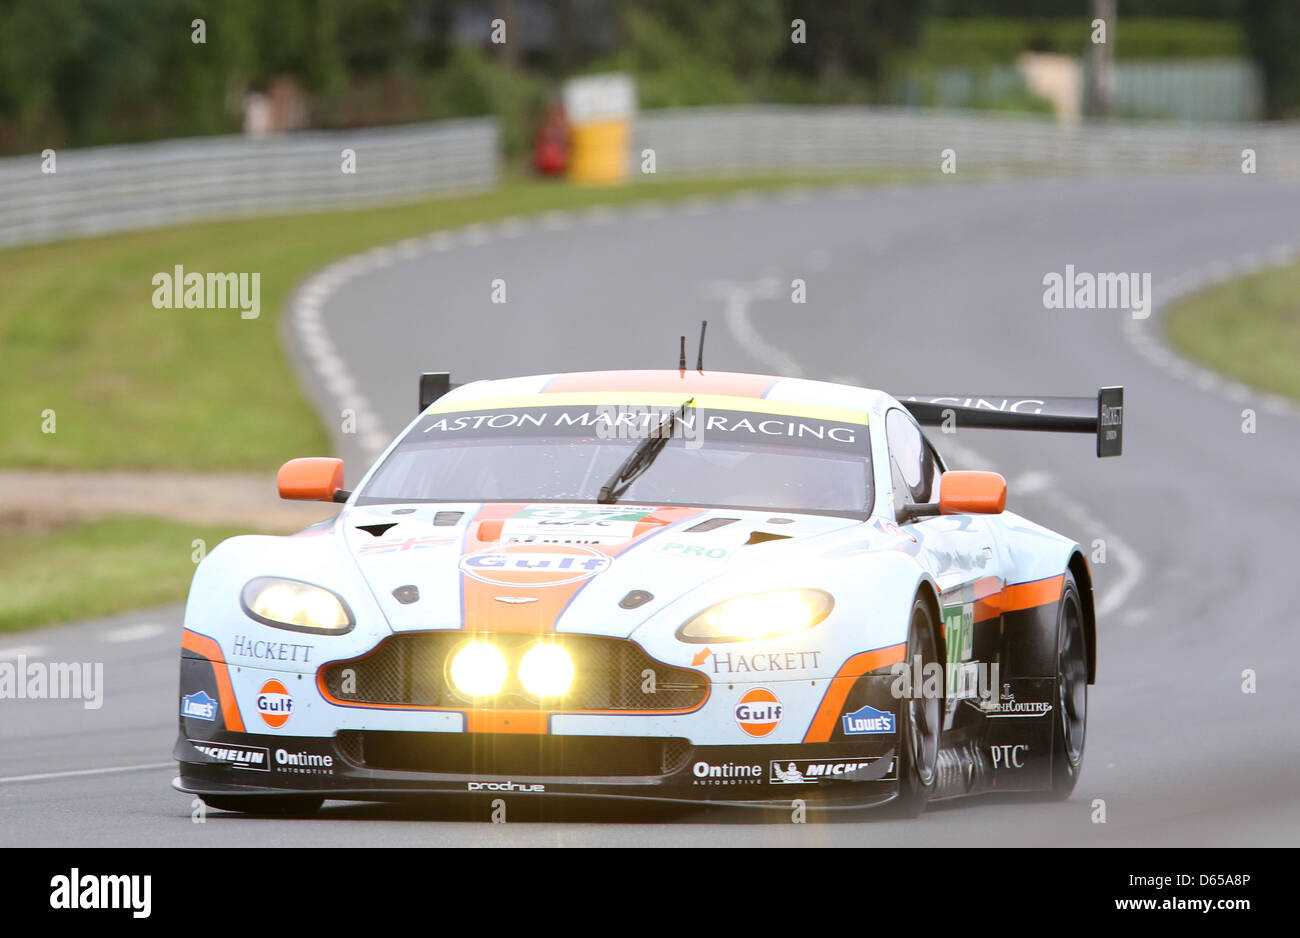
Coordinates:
[27,651]
[134,633]
[599,215]
[1148,342]
[512,227]
[75,773]
[1031,483]
[744,201]
[556,220]
[737,297]
[1128,559]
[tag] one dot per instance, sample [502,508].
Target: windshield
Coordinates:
[715,457]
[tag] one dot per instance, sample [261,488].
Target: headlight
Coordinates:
[292,604]
[546,671]
[478,669]
[759,615]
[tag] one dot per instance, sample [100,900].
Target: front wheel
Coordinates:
[1070,722]
[919,720]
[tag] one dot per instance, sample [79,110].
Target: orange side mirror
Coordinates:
[312,478]
[978,493]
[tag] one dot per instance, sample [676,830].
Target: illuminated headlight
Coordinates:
[546,671]
[292,604]
[759,615]
[478,670]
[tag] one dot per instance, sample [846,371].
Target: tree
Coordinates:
[1273,37]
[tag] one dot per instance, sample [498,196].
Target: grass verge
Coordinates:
[1247,328]
[97,568]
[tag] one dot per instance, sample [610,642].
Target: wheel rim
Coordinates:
[923,712]
[1072,680]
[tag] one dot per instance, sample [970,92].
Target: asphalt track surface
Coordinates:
[915,290]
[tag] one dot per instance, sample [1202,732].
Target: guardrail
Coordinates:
[99,190]
[119,188]
[753,138]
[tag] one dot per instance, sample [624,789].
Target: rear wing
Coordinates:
[1102,415]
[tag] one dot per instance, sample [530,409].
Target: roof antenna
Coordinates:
[699,362]
[681,362]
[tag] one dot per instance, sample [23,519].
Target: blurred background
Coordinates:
[77,73]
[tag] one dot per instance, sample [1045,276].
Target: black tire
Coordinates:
[1070,720]
[269,805]
[920,719]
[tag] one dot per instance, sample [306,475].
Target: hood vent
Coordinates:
[760,537]
[711,525]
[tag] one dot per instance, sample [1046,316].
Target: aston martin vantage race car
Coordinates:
[699,587]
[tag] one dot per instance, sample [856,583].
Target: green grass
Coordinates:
[137,387]
[1247,328]
[97,569]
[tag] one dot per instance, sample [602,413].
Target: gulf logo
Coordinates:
[274,703]
[534,564]
[758,711]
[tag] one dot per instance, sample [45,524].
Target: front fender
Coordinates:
[873,596]
[213,610]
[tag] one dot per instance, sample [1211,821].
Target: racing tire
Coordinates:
[270,805]
[1070,721]
[920,719]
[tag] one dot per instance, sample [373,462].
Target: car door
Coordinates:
[962,553]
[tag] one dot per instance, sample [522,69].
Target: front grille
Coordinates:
[487,754]
[610,674]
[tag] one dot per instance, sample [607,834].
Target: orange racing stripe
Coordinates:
[1020,596]
[208,648]
[538,604]
[819,731]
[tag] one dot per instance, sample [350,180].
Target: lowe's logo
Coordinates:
[868,719]
[200,706]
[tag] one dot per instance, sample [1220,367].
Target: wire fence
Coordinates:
[100,190]
[754,138]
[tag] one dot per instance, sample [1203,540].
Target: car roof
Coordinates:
[673,383]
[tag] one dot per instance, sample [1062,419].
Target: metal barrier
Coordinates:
[754,138]
[119,188]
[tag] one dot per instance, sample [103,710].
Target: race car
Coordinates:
[650,585]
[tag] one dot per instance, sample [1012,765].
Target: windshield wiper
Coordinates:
[641,457]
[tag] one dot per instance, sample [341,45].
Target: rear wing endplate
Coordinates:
[433,385]
[1102,415]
